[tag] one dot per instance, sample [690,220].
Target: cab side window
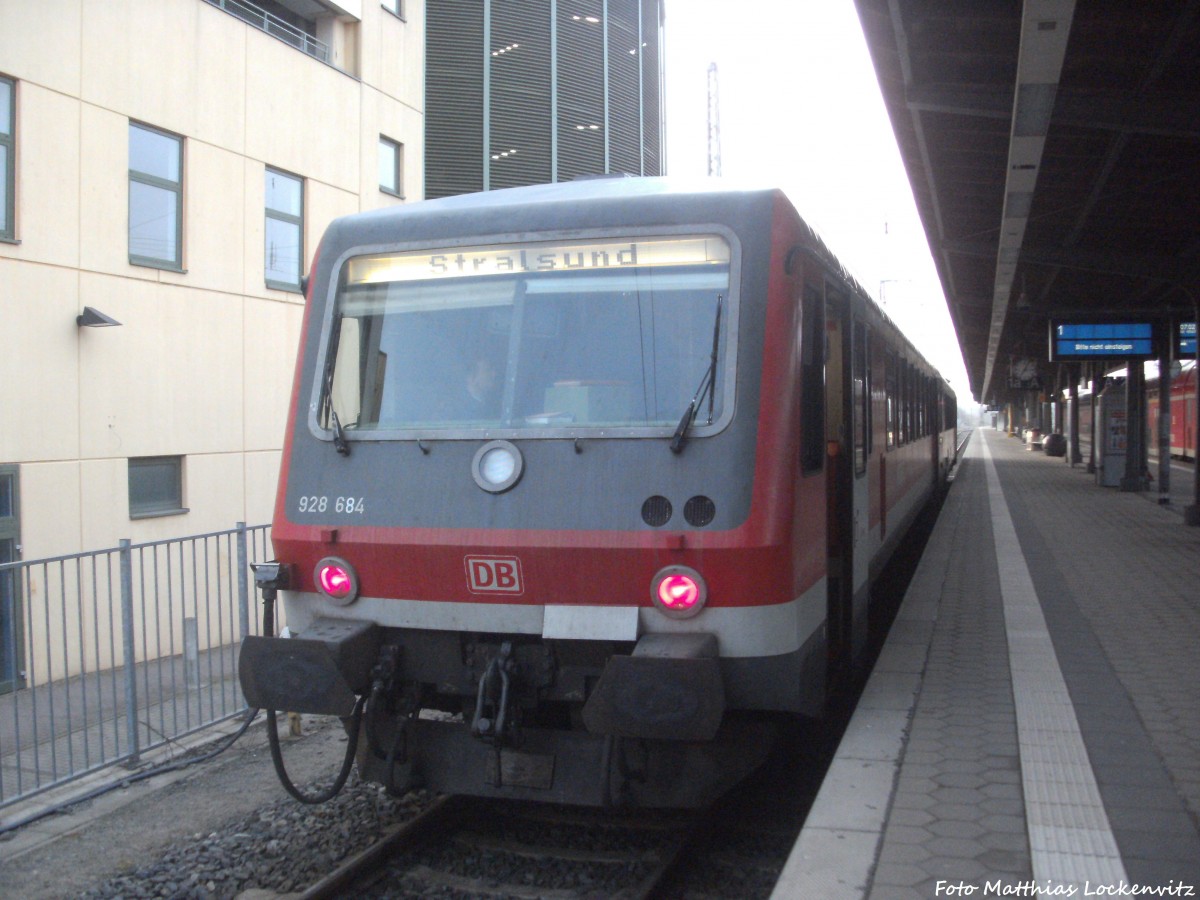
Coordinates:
[812,381]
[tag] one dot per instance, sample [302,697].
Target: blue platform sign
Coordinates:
[1099,340]
[1187,339]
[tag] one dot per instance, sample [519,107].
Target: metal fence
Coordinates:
[110,654]
[274,26]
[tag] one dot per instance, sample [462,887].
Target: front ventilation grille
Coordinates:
[656,511]
[699,511]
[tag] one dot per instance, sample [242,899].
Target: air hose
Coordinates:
[384,673]
[347,764]
[273,730]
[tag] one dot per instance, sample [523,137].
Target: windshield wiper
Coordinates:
[707,385]
[339,436]
[326,401]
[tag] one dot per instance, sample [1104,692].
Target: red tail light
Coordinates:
[678,592]
[337,580]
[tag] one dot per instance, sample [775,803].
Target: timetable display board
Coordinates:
[1187,338]
[1073,341]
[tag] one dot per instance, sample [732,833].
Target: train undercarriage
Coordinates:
[584,722]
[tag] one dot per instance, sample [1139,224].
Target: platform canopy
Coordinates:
[1053,149]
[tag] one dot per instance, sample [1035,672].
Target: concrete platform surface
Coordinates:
[1032,726]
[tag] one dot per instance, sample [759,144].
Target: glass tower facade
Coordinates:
[533,91]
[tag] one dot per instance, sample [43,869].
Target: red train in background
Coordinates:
[584,488]
[1183,414]
[1183,411]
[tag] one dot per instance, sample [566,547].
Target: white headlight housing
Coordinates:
[497,466]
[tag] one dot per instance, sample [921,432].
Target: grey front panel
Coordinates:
[602,486]
[595,483]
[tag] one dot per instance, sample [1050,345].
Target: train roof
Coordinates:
[569,193]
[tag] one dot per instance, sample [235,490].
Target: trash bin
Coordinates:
[1054,445]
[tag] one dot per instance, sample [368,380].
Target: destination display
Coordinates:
[540,257]
[1100,340]
[1187,338]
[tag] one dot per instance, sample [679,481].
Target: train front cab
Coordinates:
[821,501]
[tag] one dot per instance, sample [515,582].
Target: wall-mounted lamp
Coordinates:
[93,318]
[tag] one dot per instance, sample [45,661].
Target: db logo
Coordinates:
[494,575]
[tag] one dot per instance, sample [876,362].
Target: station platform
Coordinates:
[1032,725]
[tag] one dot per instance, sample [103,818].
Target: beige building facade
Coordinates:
[171,165]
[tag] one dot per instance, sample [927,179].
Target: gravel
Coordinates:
[284,847]
[225,828]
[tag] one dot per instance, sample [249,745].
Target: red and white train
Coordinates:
[1183,414]
[585,486]
[1183,411]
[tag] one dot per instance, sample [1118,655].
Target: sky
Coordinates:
[800,110]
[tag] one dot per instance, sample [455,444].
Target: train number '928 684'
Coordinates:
[313,503]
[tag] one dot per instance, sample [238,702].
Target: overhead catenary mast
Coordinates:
[714,122]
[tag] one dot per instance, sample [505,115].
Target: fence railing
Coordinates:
[274,26]
[107,655]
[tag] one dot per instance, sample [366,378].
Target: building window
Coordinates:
[12,628]
[155,198]
[155,486]
[395,7]
[8,152]
[284,230]
[391,167]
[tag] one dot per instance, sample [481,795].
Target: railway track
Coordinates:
[471,847]
[483,848]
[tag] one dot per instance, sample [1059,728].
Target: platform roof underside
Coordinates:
[1053,149]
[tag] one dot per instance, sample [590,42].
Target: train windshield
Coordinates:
[545,338]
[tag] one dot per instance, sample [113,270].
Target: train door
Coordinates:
[11,636]
[839,473]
